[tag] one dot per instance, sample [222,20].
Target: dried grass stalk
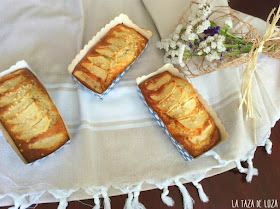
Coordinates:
[269,41]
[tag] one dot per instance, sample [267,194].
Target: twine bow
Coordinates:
[271,36]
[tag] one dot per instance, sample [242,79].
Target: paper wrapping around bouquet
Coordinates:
[17,66]
[121,19]
[170,68]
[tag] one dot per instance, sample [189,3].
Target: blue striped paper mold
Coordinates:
[178,146]
[121,19]
[19,65]
[183,152]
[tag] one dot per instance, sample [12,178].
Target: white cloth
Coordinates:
[116,144]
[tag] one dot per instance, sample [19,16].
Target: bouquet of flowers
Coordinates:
[199,45]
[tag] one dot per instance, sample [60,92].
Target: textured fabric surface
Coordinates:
[116,144]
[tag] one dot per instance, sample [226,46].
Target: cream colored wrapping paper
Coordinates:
[116,144]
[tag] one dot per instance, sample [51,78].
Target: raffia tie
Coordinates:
[270,35]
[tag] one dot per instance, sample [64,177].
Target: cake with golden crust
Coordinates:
[109,58]
[176,103]
[29,115]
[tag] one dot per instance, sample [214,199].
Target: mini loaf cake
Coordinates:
[29,115]
[109,58]
[176,103]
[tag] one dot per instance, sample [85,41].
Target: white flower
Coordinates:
[207,49]
[188,29]
[186,46]
[220,47]
[173,53]
[199,53]
[175,60]
[159,45]
[184,37]
[200,29]
[228,23]
[203,26]
[172,44]
[219,43]
[212,56]
[178,29]
[175,37]
[188,35]
[221,38]
[206,24]
[179,43]
[213,45]
[169,53]
[204,11]
[164,44]
[209,39]
[192,36]
[202,44]
[195,21]
[181,51]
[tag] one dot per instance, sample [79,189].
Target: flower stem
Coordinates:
[233,46]
[237,52]
[240,47]
[229,35]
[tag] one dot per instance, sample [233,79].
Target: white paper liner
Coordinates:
[19,65]
[121,19]
[170,68]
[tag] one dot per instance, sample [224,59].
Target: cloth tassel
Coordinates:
[268,146]
[25,206]
[107,204]
[33,198]
[250,171]
[62,195]
[21,202]
[132,201]
[94,192]
[96,202]
[16,206]
[216,156]
[239,167]
[62,203]
[135,202]
[166,199]
[128,202]
[201,193]
[187,199]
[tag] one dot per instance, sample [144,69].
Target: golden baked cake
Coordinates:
[109,58]
[29,115]
[176,103]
